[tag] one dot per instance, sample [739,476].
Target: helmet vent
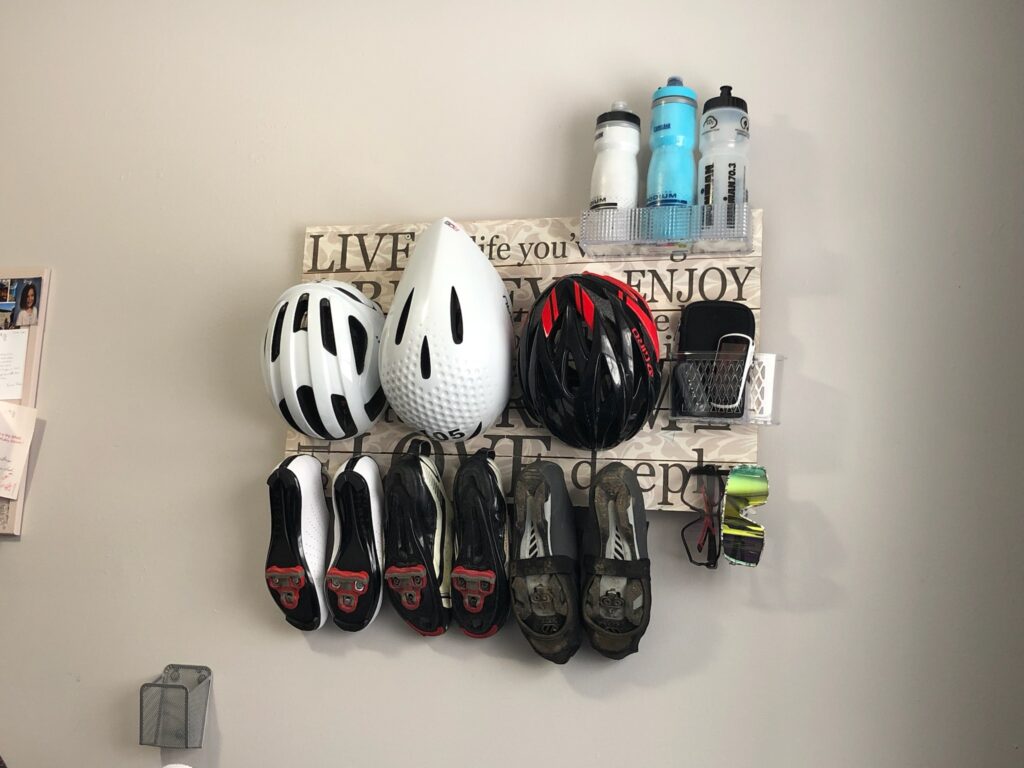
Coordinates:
[425,359]
[354,294]
[275,342]
[307,402]
[403,318]
[343,415]
[327,327]
[287,415]
[456,316]
[571,375]
[376,404]
[301,307]
[359,342]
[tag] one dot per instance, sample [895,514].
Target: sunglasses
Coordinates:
[703,493]
[742,538]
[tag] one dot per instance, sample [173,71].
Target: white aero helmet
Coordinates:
[446,349]
[320,359]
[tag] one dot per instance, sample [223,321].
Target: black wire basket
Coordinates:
[172,708]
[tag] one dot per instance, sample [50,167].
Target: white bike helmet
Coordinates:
[446,349]
[320,359]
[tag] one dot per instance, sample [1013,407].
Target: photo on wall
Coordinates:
[21,309]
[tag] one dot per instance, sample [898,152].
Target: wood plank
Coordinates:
[529,254]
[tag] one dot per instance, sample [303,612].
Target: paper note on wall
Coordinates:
[13,344]
[17,424]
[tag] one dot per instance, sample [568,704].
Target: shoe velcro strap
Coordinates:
[630,569]
[540,566]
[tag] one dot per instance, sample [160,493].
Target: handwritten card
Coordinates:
[13,344]
[17,423]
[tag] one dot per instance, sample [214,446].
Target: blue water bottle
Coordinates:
[672,175]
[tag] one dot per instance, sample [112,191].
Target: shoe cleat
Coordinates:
[348,587]
[408,584]
[474,586]
[286,582]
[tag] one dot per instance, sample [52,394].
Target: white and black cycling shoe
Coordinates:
[479,578]
[418,541]
[300,534]
[543,567]
[616,568]
[353,578]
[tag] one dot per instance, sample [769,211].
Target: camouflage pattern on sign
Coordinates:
[529,254]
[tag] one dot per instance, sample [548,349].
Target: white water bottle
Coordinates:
[722,173]
[616,142]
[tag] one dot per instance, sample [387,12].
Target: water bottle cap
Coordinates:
[675,87]
[619,113]
[725,99]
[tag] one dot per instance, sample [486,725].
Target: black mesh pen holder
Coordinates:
[172,708]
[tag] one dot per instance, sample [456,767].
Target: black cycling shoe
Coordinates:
[543,565]
[481,602]
[418,541]
[616,569]
[300,535]
[354,576]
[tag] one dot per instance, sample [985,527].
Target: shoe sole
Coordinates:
[616,600]
[544,599]
[420,597]
[297,591]
[354,576]
[481,604]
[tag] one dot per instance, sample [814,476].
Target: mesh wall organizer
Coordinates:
[710,388]
[172,708]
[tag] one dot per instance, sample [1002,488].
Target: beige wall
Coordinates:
[164,159]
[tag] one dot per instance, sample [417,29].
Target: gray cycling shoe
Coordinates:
[616,569]
[543,563]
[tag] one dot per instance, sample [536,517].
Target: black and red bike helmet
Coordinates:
[588,360]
